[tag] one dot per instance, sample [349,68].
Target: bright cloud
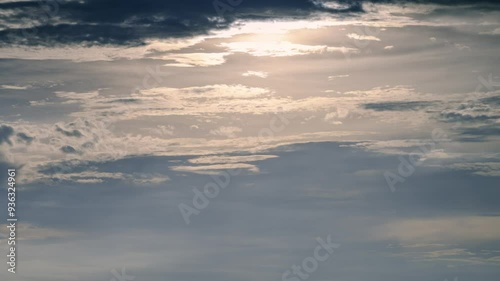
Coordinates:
[282,49]
[362,37]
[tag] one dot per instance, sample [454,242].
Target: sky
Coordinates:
[251,140]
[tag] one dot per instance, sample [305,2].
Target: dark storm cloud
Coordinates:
[441,2]
[397,106]
[5,133]
[128,22]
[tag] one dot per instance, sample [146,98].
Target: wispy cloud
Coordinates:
[450,229]
[362,37]
[282,49]
[260,74]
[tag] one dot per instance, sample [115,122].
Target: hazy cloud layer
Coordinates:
[289,114]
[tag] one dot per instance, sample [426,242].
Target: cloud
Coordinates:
[496,31]
[240,99]
[398,106]
[195,59]
[333,77]
[53,174]
[484,131]
[27,231]
[336,5]
[80,177]
[260,74]
[229,159]
[167,130]
[107,30]
[437,230]
[74,33]
[108,22]
[336,116]
[282,49]
[165,101]
[172,135]
[14,87]
[216,168]
[400,146]
[107,123]
[487,169]
[473,109]
[93,134]
[5,133]
[362,37]
[44,161]
[228,132]
[24,137]
[151,48]
[462,47]
[73,133]
[68,149]
[448,254]
[148,179]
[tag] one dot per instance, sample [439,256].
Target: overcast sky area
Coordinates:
[224,141]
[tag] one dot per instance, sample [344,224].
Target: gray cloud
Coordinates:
[483,131]
[68,149]
[129,22]
[73,133]
[398,106]
[5,133]
[24,137]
